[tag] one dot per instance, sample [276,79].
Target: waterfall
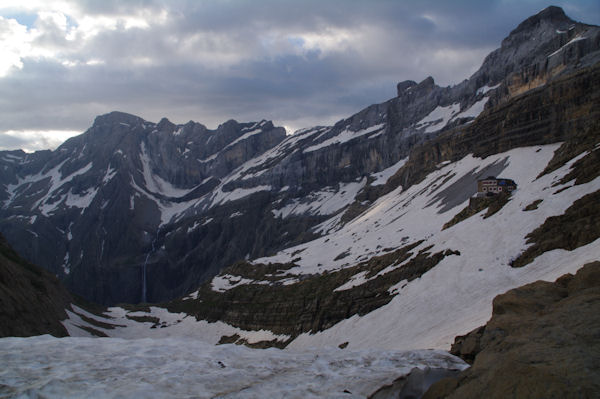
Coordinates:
[144,267]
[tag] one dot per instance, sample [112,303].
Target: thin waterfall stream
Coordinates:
[144,267]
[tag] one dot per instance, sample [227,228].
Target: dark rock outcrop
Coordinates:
[577,226]
[414,384]
[542,342]
[32,301]
[310,304]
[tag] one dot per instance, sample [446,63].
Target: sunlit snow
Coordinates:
[417,317]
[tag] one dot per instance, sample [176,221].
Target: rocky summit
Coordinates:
[137,211]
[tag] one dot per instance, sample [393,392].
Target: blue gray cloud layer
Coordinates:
[297,62]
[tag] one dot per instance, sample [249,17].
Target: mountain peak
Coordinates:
[115,117]
[166,125]
[552,15]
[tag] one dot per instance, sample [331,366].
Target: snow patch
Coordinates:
[225,282]
[438,118]
[221,197]
[324,202]
[356,280]
[156,184]
[66,267]
[575,39]
[243,137]
[345,136]
[81,201]
[486,88]
[110,173]
[383,176]
[474,110]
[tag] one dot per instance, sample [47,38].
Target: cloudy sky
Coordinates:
[299,63]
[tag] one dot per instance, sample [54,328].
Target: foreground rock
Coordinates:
[543,341]
[32,301]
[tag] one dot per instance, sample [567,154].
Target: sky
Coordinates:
[299,63]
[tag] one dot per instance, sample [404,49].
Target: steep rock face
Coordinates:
[542,341]
[540,48]
[32,301]
[90,211]
[564,108]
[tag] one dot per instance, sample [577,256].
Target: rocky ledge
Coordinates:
[543,341]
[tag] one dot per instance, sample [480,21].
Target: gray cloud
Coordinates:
[297,62]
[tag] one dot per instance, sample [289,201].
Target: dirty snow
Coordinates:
[181,367]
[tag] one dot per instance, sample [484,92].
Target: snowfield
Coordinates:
[50,367]
[456,295]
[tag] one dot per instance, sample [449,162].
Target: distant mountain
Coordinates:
[133,211]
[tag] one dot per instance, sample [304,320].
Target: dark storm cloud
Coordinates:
[296,62]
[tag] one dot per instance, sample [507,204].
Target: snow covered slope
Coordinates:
[455,295]
[425,310]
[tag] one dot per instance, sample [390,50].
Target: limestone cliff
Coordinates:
[541,342]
